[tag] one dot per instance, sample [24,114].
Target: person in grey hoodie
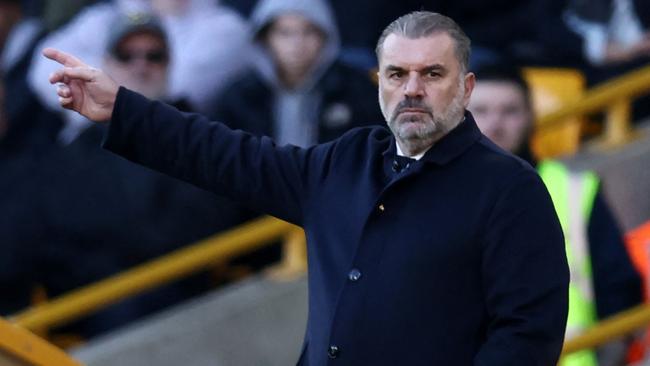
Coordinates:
[296,91]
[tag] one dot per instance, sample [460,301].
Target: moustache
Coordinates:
[412,103]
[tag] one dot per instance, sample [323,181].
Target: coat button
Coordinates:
[395,166]
[381,207]
[354,275]
[333,351]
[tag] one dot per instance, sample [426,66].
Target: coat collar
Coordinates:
[449,146]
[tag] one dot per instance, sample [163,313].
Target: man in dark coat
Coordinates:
[428,244]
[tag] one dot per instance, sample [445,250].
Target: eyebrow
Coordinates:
[426,69]
[436,67]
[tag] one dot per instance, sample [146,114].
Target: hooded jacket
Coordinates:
[331,99]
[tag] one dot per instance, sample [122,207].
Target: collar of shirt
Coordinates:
[416,157]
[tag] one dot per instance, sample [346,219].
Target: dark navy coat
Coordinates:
[457,260]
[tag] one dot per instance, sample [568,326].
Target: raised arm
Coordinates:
[253,171]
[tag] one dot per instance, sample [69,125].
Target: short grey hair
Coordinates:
[420,24]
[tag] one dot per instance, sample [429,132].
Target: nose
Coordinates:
[414,86]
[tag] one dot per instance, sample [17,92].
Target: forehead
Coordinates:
[291,20]
[497,93]
[142,39]
[437,48]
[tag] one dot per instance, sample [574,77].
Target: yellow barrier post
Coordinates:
[294,256]
[612,96]
[617,124]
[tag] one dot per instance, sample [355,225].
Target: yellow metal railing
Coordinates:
[614,98]
[220,248]
[22,348]
[610,329]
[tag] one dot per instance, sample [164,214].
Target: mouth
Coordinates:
[413,110]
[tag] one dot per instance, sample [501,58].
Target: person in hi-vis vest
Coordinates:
[603,280]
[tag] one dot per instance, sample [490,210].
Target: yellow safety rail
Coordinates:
[21,348]
[220,248]
[610,329]
[614,97]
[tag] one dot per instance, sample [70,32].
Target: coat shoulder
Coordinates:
[502,166]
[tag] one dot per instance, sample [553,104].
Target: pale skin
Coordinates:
[145,77]
[615,53]
[82,88]
[425,69]
[502,113]
[295,44]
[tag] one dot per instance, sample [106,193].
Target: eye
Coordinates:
[433,74]
[395,75]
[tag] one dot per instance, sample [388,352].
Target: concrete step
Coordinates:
[257,322]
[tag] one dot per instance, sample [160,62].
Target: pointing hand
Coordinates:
[82,88]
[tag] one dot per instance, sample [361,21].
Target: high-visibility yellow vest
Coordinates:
[573,196]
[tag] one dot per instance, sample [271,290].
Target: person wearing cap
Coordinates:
[208,43]
[138,56]
[604,282]
[297,79]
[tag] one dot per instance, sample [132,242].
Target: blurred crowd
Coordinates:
[297,70]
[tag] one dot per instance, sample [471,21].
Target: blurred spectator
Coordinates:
[15,286]
[27,132]
[87,214]
[495,27]
[18,33]
[297,92]
[615,38]
[26,126]
[604,281]
[359,38]
[614,31]
[55,13]
[208,42]
[530,32]
[137,55]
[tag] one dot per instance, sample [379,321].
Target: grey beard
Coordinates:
[418,141]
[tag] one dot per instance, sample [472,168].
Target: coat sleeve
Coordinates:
[525,277]
[250,170]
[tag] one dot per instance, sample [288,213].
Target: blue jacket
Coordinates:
[457,260]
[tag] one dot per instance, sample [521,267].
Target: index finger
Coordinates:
[63,58]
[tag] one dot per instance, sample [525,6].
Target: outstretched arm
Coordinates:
[267,178]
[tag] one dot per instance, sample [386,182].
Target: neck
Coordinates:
[291,80]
